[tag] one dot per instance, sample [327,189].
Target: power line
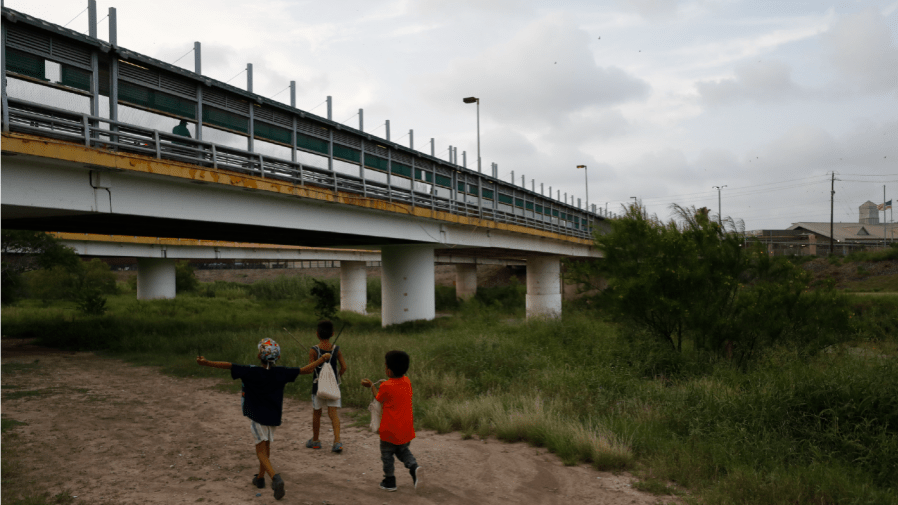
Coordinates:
[185,54]
[232,78]
[281,91]
[76,17]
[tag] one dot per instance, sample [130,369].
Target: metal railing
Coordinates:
[433,183]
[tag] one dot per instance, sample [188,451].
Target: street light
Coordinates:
[586,175]
[476,100]
[719,216]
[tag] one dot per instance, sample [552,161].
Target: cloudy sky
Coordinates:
[661,99]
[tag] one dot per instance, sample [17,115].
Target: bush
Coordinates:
[325,299]
[185,278]
[91,302]
[62,283]
[694,281]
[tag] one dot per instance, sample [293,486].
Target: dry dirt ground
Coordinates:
[109,432]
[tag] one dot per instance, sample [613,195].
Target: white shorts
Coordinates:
[261,433]
[330,403]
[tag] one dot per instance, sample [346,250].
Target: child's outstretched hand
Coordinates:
[201,360]
[366,383]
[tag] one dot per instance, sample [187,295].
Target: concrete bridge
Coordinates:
[156,256]
[70,165]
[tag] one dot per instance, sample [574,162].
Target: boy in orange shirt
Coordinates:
[396,425]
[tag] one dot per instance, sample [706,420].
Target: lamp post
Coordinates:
[586,176]
[719,216]
[476,100]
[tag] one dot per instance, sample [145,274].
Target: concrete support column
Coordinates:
[353,286]
[465,280]
[407,284]
[155,278]
[544,287]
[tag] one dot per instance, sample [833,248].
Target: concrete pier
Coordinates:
[465,280]
[155,279]
[353,286]
[407,284]
[544,287]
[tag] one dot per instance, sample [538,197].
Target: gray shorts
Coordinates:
[261,433]
[316,403]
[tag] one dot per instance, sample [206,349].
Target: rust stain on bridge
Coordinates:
[20,143]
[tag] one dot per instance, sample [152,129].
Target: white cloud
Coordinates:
[543,73]
[861,48]
[761,80]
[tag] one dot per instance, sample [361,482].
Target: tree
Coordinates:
[325,299]
[185,277]
[693,279]
[24,251]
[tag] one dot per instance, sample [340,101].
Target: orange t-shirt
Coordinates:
[396,424]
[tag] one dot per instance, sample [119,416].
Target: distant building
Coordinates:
[813,238]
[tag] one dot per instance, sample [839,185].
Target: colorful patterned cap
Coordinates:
[269,350]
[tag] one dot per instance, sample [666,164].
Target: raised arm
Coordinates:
[313,365]
[213,364]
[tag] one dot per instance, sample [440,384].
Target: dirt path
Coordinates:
[110,432]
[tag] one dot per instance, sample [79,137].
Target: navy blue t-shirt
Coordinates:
[263,391]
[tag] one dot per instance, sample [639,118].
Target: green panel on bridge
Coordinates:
[505,199]
[270,132]
[528,205]
[518,202]
[75,78]
[218,117]
[555,212]
[444,181]
[488,194]
[26,64]
[400,169]
[157,100]
[424,176]
[347,153]
[539,209]
[311,143]
[376,163]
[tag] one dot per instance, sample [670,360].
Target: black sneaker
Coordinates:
[389,484]
[415,471]
[259,482]
[277,483]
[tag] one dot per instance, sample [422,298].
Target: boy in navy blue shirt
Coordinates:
[263,402]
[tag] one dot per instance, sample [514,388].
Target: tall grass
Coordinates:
[789,428]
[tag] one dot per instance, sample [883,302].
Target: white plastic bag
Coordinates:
[328,388]
[377,409]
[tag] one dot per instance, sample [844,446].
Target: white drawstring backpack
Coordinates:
[328,387]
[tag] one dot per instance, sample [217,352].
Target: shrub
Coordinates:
[185,278]
[325,299]
[693,280]
[91,302]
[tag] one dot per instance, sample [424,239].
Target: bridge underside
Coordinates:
[30,218]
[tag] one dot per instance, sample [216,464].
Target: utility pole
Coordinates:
[832,196]
[719,215]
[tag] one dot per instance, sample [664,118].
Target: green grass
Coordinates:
[875,284]
[790,427]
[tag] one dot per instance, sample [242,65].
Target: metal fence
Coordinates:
[86,68]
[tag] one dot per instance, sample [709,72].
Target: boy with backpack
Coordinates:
[396,424]
[263,402]
[325,332]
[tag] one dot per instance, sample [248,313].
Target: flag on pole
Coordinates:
[884,206]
